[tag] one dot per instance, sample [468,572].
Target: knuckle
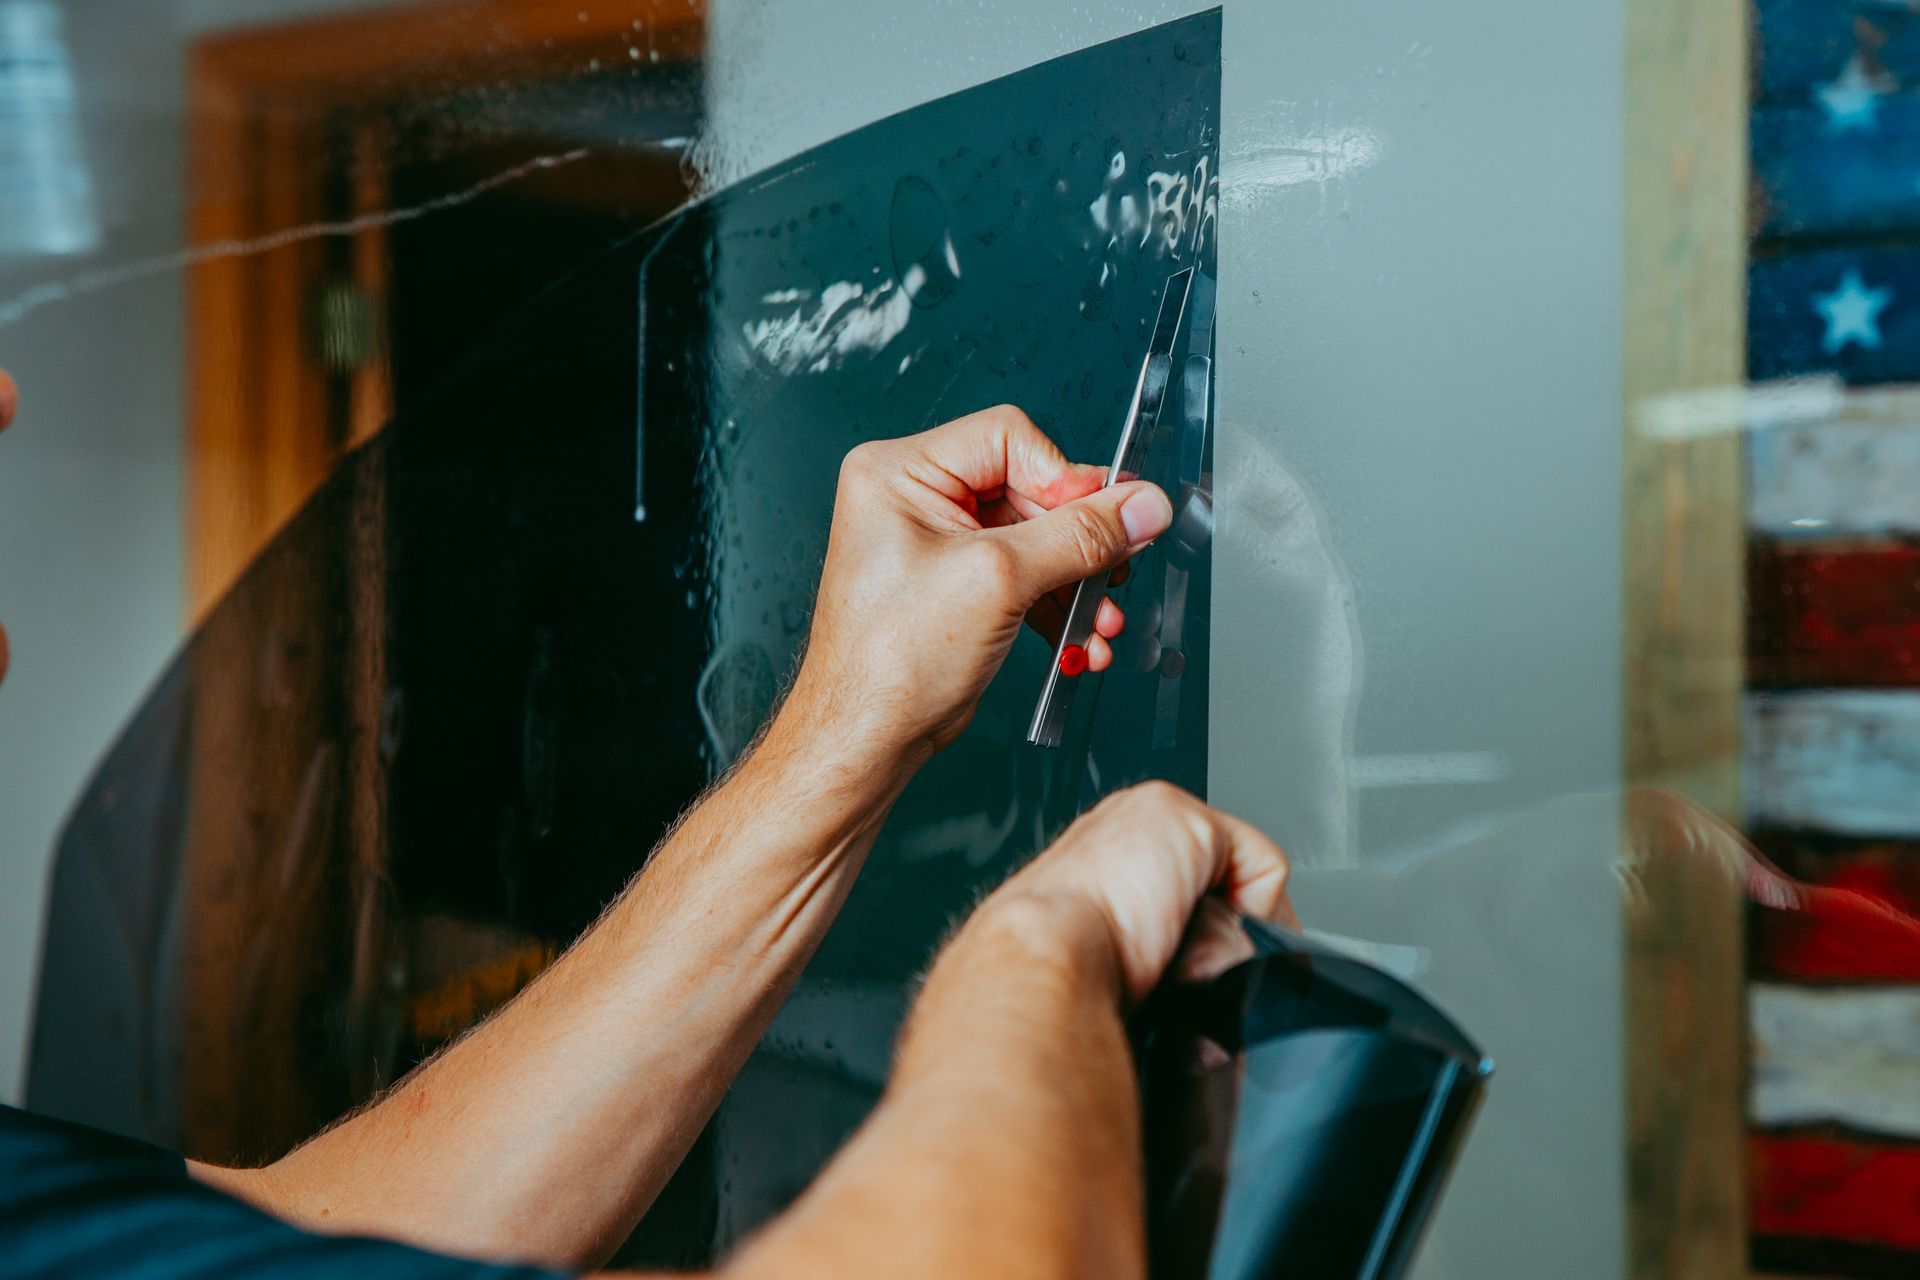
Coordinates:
[992,565]
[862,461]
[1174,812]
[1095,539]
[1167,793]
[1284,859]
[1008,417]
[1158,793]
[1147,799]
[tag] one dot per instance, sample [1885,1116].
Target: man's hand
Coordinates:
[1014,1066]
[9,400]
[1139,867]
[586,1091]
[942,545]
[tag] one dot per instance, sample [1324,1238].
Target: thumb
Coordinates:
[1081,538]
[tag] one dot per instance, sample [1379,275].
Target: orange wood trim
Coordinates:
[292,435]
[370,401]
[219,494]
[258,430]
[449,43]
[268,811]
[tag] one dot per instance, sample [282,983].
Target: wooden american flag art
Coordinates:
[1831,728]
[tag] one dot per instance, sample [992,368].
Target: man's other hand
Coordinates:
[943,544]
[9,400]
[1013,1100]
[1155,874]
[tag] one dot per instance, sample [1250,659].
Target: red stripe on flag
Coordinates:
[1844,615]
[1856,918]
[1835,1189]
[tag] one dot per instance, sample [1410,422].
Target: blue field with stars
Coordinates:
[1834,285]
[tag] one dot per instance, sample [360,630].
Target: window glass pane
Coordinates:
[430,411]
[516,632]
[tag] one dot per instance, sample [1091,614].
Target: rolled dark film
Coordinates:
[1301,1114]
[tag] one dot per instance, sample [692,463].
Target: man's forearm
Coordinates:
[546,1133]
[1008,1142]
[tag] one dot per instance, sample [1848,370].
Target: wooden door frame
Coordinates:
[287,842]
[1683,552]
[261,425]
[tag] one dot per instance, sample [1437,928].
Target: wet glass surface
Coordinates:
[1560,617]
[1007,244]
[515,634]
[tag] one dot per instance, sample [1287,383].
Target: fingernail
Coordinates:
[1145,515]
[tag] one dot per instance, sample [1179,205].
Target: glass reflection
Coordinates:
[504,640]
[441,716]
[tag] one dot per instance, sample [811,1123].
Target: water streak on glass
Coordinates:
[477,372]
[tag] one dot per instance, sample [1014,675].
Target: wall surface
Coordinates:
[90,475]
[1417,621]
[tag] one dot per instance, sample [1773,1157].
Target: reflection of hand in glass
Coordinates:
[9,398]
[942,545]
[1820,931]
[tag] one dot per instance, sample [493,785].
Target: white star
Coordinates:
[1853,101]
[1852,313]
